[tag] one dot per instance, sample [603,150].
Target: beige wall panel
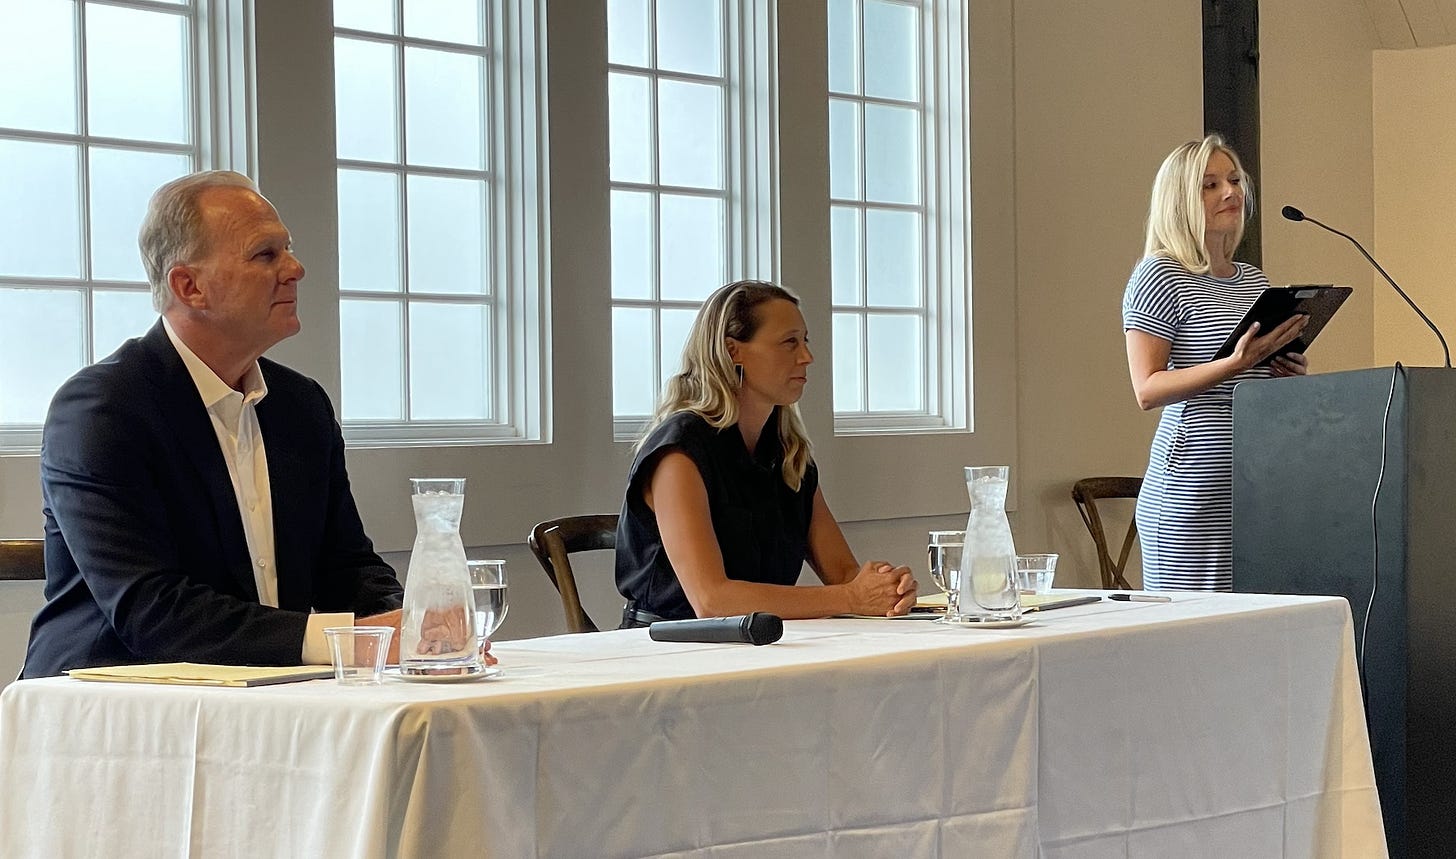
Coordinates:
[1103,92]
[1316,141]
[1415,199]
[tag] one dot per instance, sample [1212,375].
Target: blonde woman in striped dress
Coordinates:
[1183,299]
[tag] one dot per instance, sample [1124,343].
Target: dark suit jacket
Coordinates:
[145,555]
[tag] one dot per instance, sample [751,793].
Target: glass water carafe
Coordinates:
[988,590]
[437,632]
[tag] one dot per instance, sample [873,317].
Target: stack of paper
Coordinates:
[190,674]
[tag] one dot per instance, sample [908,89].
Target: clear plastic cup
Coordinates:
[359,653]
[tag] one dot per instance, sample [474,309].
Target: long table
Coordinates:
[1215,725]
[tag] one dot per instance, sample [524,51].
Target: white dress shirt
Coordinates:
[235,420]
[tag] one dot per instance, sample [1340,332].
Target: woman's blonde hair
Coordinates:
[707,385]
[1176,220]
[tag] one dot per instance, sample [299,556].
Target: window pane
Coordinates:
[843,46]
[137,74]
[891,55]
[367,113]
[892,258]
[369,234]
[457,21]
[632,340]
[371,363]
[40,213]
[117,316]
[690,134]
[896,364]
[375,16]
[631,244]
[843,149]
[845,243]
[892,154]
[693,257]
[630,106]
[627,32]
[676,323]
[449,361]
[38,66]
[689,36]
[447,235]
[41,345]
[848,363]
[122,181]
[444,111]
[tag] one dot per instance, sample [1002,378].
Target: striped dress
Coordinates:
[1185,509]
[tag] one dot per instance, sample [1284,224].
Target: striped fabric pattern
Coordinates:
[1185,509]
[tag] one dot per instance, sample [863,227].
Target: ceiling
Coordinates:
[1413,23]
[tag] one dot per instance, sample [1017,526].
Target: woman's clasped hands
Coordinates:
[881,589]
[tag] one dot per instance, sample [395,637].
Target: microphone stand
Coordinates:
[1290,212]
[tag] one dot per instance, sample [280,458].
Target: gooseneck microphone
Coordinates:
[1294,214]
[757,628]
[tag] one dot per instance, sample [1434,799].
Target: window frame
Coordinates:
[750,192]
[944,182]
[517,241]
[220,108]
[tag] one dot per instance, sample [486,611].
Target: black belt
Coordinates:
[634,618]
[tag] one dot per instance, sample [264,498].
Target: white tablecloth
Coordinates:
[1217,725]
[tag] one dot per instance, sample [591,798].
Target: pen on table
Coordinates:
[1139,598]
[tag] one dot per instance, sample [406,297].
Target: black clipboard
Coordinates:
[1277,303]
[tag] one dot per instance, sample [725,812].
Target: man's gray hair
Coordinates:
[172,233]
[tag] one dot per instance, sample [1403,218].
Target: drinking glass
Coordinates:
[943,554]
[488,586]
[1034,573]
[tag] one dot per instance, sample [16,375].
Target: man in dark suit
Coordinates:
[197,506]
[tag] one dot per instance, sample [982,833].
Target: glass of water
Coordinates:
[943,555]
[488,587]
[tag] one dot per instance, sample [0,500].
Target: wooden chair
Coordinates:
[22,560]
[554,541]
[1086,493]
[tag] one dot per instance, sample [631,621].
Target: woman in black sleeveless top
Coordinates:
[723,504]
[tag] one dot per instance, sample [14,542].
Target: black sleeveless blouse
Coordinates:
[762,525]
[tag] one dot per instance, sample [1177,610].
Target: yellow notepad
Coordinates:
[191,674]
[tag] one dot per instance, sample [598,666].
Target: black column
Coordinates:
[1231,95]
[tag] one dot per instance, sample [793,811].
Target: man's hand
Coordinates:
[445,631]
[389,618]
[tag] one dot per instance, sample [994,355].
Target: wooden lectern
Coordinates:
[1307,455]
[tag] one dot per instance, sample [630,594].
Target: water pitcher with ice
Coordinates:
[988,590]
[437,632]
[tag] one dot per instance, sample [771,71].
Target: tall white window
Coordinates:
[100,103]
[692,202]
[440,220]
[898,213]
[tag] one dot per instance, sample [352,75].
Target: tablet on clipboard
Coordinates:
[1277,303]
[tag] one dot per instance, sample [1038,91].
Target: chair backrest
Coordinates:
[22,560]
[554,541]
[1086,493]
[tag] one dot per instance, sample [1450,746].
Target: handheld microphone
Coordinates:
[1294,214]
[757,628]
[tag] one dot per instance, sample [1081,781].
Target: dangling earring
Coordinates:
[738,368]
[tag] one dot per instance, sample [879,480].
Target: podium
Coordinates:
[1308,453]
